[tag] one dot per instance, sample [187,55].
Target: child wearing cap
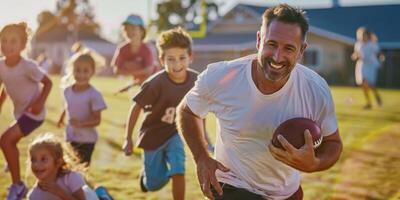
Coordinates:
[134,57]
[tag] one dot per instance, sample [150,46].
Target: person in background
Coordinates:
[366,54]
[44,62]
[83,105]
[133,57]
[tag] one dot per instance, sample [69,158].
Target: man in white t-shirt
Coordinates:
[250,97]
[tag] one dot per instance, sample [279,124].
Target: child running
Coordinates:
[83,105]
[164,155]
[134,57]
[52,165]
[22,79]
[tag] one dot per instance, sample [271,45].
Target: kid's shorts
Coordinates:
[162,163]
[27,124]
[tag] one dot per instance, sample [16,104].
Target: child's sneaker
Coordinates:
[17,191]
[102,193]
[141,183]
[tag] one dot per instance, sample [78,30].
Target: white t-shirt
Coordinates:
[70,183]
[368,52]
[247,118]
[22,84]
[79,106]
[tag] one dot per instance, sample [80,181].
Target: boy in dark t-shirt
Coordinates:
[159,96]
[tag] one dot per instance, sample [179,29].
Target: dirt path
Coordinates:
[372,170]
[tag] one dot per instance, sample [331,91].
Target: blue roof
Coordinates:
[225,38]
[383,20]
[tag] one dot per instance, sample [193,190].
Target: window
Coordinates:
[312,57]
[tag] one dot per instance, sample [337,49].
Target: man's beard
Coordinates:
[268,72]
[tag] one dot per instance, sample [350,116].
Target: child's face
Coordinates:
[82,73]
[11,44]
[43,164]
[133,32]
[176,61]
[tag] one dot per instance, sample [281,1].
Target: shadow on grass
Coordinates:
[372,171]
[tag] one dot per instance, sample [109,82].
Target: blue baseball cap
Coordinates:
[134,20]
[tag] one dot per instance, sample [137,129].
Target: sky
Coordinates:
[110,13]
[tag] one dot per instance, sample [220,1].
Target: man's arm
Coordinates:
[210,145]
[329,151]
[192,128]
[306,159]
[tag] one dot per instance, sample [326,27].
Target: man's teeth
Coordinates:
[276,66]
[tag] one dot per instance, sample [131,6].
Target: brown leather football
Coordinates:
[293,131]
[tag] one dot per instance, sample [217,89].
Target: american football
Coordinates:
[293,131]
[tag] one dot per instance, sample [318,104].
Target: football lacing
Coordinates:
[318,142]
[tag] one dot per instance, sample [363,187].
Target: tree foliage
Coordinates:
[173,13]
[75,15]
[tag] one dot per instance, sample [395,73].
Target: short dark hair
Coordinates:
[172,38]
[287,14]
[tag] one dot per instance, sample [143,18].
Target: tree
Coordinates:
[173,13]
[76,15]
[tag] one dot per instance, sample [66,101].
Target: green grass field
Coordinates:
[369,167]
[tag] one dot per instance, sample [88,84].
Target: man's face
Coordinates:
[279,46]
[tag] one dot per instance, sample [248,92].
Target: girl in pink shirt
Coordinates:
[22,79]
[52,163]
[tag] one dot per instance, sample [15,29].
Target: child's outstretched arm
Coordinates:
[60,122]
[37,106]
[93,121]
[132,119]
[3,97]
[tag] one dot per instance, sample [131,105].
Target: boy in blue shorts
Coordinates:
[164,155]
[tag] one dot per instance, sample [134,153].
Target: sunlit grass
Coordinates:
[119,173]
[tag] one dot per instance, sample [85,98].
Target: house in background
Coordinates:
[56,43]
[330,39]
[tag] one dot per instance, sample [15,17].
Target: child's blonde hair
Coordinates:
[81,56]
[59,150]
[174,38]
[21,29]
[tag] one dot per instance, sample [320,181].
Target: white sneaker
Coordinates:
[17,191]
